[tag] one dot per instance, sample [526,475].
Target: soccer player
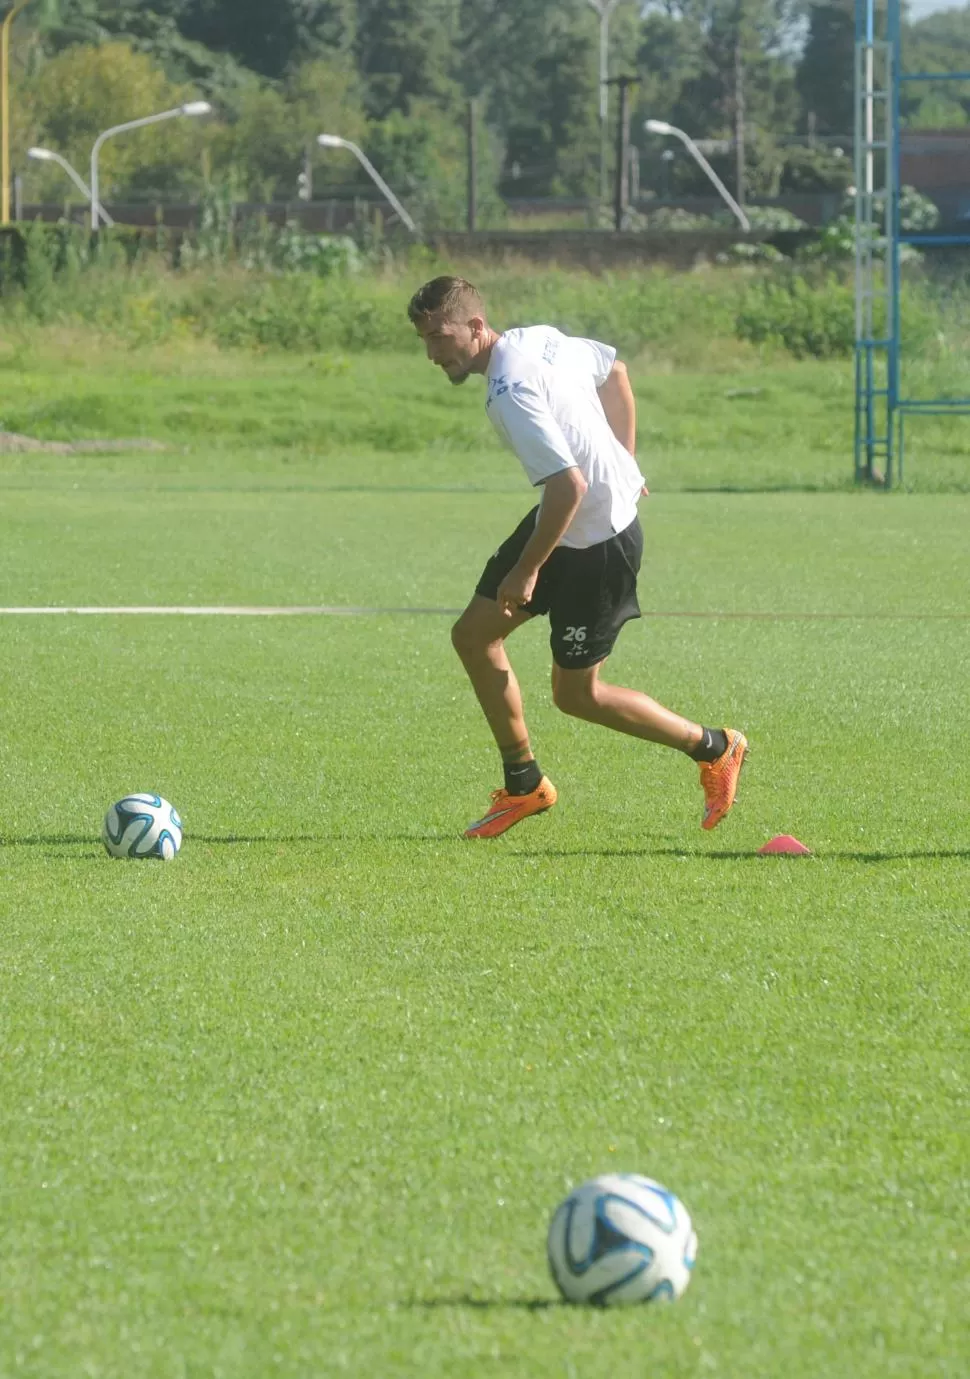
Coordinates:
[566,408]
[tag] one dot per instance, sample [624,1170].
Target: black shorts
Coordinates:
[589,594]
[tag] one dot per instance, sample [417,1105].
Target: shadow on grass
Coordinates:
[929,854]
[487,1304]
[233,839]
[683,854]
[228,839]
[687,855]
[49,840]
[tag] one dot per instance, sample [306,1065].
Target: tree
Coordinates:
[753,31]
[713,66]
[405,53]
[670,58]
[85,90]
[553,146]
[535,68]
[421,156]
[151,29]
[938,43]
[818,169]
[268,36]
[825,76]
[271,126]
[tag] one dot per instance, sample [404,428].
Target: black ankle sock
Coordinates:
[713,744]
[522,777]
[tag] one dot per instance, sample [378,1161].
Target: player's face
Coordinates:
[453,345]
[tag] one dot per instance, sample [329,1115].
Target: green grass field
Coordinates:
[302,1102]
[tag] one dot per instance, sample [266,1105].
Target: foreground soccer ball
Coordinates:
[621,1238]
[142,826]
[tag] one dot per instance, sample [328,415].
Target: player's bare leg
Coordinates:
[582,694]
[479,639]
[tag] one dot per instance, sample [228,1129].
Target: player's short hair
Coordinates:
[454,298]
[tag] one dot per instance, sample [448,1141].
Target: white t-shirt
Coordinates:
[542,400]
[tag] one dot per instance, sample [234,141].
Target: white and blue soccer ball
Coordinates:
[621,1238]
[142,826]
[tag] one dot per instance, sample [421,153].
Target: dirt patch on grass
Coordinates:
[12,444]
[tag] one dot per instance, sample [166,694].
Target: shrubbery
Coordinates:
[808,318]
[281,289]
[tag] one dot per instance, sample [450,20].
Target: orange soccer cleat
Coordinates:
[720,779]
[506,810]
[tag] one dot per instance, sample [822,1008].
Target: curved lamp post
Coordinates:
[190,108]
[335,141]
[5,110]
[47,155]
[661,127]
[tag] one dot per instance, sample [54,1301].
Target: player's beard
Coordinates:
[457,379]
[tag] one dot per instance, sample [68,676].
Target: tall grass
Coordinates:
[344,304]
[149,302]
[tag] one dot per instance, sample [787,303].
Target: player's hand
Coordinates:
[516,590]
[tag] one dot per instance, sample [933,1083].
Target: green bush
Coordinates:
[41,257]
[632,310]
[767,218]
[819,169]
[806,317]
[836,241]
[308,296]
[293,312]
[41,250]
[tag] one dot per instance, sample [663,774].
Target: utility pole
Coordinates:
[472,168]
[621,194]
[739,168]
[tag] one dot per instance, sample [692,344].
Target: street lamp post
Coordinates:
[604,8]
[661,127]
[5,110]
[335,141]
[47,155]
[190,108]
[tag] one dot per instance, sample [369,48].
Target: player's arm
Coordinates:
[562,495]
[620,406]
[544,453]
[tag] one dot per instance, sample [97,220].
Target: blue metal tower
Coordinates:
[881,403]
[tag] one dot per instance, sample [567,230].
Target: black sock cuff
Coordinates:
[522,777]
[713,744]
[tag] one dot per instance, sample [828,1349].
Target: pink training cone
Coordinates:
[784,845]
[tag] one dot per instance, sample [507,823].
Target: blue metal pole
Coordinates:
[894,68]
[861,436]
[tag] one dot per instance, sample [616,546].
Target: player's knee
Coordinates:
[467,639]
[574,694]
[460,638]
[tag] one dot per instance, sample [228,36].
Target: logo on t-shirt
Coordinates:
[550,349]
[496,388]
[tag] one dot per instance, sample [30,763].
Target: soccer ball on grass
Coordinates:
[142,826]
[621,1238]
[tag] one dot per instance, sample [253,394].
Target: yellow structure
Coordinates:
[5,111]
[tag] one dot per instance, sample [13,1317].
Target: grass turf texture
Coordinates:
[303,1100]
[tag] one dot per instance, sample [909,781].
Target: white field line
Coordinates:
[332,611]
[219,611]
